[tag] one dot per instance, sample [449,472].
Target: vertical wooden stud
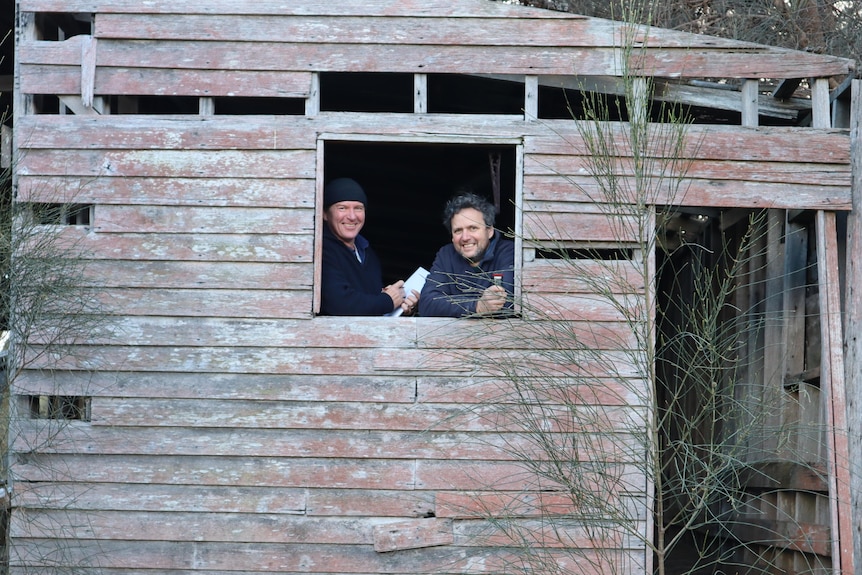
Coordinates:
[853,320]
[531,97]
[820,114]
[750,92]
[312,102]
[420,93]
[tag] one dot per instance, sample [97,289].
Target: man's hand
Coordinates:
[396,292]
[493,299]
[410,302]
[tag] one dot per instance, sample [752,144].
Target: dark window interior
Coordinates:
[238,106]
[59,214]
[53,26]
[66,407]
[408,185]
[366,92]
[462,94]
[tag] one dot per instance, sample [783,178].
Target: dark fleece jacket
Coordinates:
[347,286]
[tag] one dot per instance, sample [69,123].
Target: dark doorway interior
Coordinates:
[408,185]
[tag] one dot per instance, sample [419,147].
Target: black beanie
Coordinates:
[343,190]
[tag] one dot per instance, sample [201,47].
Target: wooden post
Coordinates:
[531,97]
[853,320]
[420,93]
[833,393]
[749,103]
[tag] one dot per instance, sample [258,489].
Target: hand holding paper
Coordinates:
[413,283]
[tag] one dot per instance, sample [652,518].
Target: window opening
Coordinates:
[366,92]
[61,214]
[241,106]
[462,94]
[407,186]
[67,407]
[55,26]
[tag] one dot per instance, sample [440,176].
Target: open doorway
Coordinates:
[407,186]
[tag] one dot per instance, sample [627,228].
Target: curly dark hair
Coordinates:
[468,199]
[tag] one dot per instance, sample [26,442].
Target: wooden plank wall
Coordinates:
[230,429]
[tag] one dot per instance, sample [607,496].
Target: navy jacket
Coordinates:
[347,286]
[454,286]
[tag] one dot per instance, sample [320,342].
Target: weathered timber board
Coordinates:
[336,444]
[323,332]
[202,220]
[223,557]
[212,190]
[169,163]
[104,275]
[205,499]
[170,133]
[541,137]
[50,79]
[212,526]
[299,7]
[273,248]
[735,62]
[277,303]
[269,387]
[317,420]
[222,471]
[159,497]
[466,390]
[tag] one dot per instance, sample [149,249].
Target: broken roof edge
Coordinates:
[553,43]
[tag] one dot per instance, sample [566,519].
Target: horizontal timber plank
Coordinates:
[338,441]
[152,132]
[169,163]
[485,504]
[549,533]
[502,477]
[589,390]
[248,527]
[583,308]
[233,499]
[528,363]
[735,60]
[545,137]
[213,191]
[107,274]
[776,172]
[361,29]
[225,557]
[259,360]
[728,193]
[297,7]
[531,333]
[202,220]
[570,275]
[582,227]
[705,141]
[160,497]
[204,247]
[278,303]
[323,332]
[221,471]
[66,79]
[272,387]
[366,416]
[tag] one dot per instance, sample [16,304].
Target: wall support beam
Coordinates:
[853,320]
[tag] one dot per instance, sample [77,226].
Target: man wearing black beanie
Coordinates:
[352,278]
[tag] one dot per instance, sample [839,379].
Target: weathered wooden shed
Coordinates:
[217,424]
